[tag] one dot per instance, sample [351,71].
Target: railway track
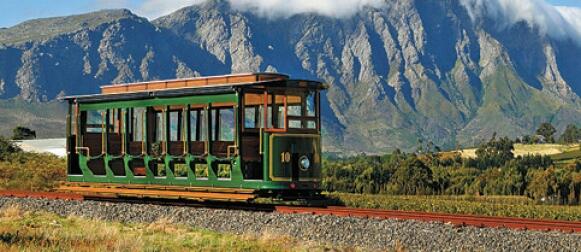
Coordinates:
[454,219]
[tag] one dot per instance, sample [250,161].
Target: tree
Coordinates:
[22,133]
[571,134]
[412,178]
[547,131]
[494,153]
[7,147]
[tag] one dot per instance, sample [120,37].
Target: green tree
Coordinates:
[7,148]
[494,153]
[23,133]
[413,177]
[547,130]
[571,134]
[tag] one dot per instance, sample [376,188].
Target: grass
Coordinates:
[25,231]
[504,206]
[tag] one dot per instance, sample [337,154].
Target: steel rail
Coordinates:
[454,219]
[458,220]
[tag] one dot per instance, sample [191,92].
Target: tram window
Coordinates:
[294,105]
[227,124]
[159,126]
[137,124]
[95,120]
[114,124]
[197,125]
[295,108]
[276,114]
[175,126]
[253,114]
[310,104]
[250,117]
[280,117]
[223,124]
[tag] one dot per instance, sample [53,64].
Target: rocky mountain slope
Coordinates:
[407,71]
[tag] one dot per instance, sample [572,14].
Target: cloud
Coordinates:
[156,8]
[556,22]
[287,8]
[267,8]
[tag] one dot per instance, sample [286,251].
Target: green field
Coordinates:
[503,206]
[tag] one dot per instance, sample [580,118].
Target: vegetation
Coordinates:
[21,231]
[23,133]
[503,206]
[547,131]
[571,134]
[29,171]
[494,171]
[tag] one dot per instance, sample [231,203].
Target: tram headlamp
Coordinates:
[305,163]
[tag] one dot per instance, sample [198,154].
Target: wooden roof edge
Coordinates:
[257,74]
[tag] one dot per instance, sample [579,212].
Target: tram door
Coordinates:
[253,120]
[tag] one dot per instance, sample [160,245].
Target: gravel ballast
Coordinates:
[338,231]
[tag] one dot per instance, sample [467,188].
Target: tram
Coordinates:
[230,137]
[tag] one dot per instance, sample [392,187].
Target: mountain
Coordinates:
[406,71]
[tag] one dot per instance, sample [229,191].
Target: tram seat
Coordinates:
[114,142]
[250,148]
[197,148]
[220,148]
[135,148]
[176,148]
[93,141]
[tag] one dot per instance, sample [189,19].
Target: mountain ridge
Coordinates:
[410,70]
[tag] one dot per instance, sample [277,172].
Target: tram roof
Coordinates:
[194,86]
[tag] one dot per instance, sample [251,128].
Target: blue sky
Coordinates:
[16,11]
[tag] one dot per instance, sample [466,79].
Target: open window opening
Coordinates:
[224,171]
[201,171]
[156,117]
[136,131]
[137,166]
[179,168]
[223,131]
[157,167]
[114,132]
[177,131]
[93,140]
[198,131]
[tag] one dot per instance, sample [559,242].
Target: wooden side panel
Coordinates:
[197,83]
[115,89]
[136,88]
[176,84]
[156,85]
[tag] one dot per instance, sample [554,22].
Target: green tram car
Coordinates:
[254,133]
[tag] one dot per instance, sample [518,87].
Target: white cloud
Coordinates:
[267,8]
[156,8]
[287,8]
[556,22]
